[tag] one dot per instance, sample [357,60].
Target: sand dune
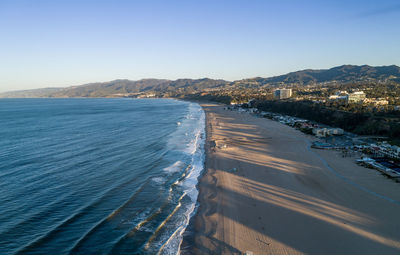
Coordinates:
[267,192]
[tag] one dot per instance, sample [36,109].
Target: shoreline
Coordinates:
[259,179]
[189,234]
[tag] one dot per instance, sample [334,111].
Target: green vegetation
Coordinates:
[363,123]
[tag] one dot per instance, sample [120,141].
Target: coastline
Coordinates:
[263,190]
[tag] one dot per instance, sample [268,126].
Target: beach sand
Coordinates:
[265,191]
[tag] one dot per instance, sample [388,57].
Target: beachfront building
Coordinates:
[335,131]
[282,93]
[320,132]
[147,95]
[323,132]
[385,150]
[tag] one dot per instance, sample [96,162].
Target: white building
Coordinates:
[323,132]
[356,97]
[335,131]
[282,93]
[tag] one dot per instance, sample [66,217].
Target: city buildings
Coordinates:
[355,97]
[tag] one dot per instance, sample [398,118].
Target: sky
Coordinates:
[65,43]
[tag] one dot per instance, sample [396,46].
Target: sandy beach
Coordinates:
[265,191]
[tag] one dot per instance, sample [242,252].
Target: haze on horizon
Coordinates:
[64,43]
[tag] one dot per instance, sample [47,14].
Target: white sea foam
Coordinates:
[195,148]
[186,136]
[174,167]
[158,180]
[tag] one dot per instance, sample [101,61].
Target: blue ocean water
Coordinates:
[98,176]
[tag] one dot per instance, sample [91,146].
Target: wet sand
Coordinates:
[265,191]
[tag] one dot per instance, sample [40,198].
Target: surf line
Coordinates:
[356,185]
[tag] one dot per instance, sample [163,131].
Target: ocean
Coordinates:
[98,176]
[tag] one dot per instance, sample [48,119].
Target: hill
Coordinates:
[345,73]
[104,89]
[45,92]
[120,87]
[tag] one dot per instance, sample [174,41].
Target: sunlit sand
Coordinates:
[265,191]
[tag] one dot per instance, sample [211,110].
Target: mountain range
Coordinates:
[345,73]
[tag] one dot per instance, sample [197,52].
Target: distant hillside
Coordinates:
[117,87]
[103,89]
[120,87]
[30,93]
[345,73]
[188,85]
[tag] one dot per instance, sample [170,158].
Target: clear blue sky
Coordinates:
[63,43]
